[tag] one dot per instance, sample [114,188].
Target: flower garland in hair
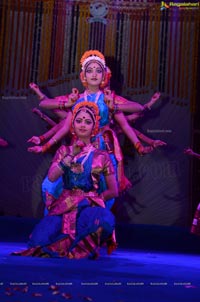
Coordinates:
[94,111]
[92,55]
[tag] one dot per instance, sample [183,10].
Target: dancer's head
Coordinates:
[85,120]
[94,70]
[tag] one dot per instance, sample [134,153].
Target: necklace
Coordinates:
[78,168]
[96,97]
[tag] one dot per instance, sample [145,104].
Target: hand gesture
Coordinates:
[143,150]
[34,139]
[146,150]
[35,149]
[158,143]
[153,100]
[77,147]
[34,86]
[73,97]
[109,98]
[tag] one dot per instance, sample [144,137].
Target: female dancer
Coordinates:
[78,222]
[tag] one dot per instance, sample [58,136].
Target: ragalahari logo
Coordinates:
[180,5]
[164,5]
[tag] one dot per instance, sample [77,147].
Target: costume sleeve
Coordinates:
[101,164]
[120,100]
[60,154]
[108,167]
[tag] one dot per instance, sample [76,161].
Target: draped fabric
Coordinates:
[42,41]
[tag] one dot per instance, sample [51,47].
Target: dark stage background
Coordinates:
[148,49]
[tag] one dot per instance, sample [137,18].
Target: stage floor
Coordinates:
[127,275]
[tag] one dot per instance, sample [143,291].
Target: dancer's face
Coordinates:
[94,74]
[83,125]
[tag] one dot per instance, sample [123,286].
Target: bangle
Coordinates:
[46,147]
[139,148]
[42,138]
[116,108]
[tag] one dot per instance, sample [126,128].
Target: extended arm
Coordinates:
[131,134]
[152,142]
[63,129]
[115,101]
[60,102]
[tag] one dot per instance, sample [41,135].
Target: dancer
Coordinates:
[78,222]
[195,228]
[95,76]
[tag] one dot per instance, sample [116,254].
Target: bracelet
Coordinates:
[139,148]
[46,147]
[42,138]
[116,108]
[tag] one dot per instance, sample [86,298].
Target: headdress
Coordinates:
[94,56]
[90,108]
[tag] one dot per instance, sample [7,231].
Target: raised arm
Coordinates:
[60,102]
[116,102]
[37,140]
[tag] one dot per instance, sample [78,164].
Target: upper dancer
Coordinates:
[95,76]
